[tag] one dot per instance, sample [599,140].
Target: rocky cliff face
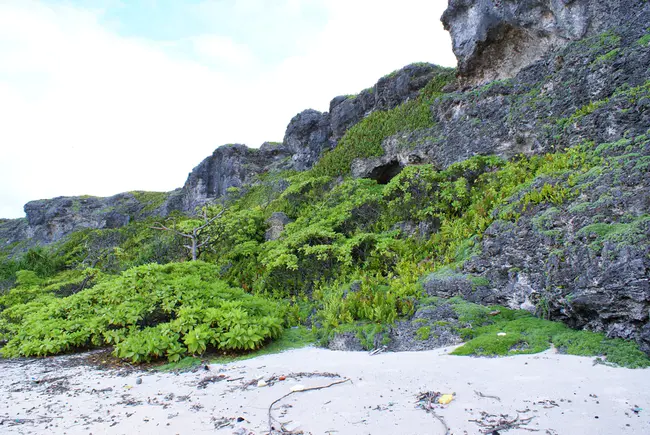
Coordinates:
[308,135]
[571,72]
[586,90]
[495,39]
[229,166]
[49,220]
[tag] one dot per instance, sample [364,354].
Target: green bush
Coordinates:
[148,312]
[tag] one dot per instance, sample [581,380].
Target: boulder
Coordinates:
[495,39]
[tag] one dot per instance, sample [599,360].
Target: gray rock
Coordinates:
[276,224]
[421,230]
[586,261]
[311,133]
[229,166]
[49,220]
[389,92]
[448,285]
[346,341]
[308,135]
[497,39]
[12,231]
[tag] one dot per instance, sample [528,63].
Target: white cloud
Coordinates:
[86,111]
[222,51]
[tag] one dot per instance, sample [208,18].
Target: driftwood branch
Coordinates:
[271,418]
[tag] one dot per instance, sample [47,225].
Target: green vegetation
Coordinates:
[147,312]
[499,331]
[292,338]
[644,41]
[346,263]
[150,200]
[364,139]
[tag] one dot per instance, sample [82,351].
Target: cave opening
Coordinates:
[384,173]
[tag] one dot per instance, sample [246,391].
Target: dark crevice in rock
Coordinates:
[384,173]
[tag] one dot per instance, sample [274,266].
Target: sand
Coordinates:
[562,394]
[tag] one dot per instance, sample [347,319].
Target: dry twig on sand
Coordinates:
[485,396]
[491,423]
[272,430]
[426,401]
[18,421]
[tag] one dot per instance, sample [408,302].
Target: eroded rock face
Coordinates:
[389,92]
[12,231]
[49,220]
[571,95]
[308,135]
[495,39]
[230,166]
[585,261]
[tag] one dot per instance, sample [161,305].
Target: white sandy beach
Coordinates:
[563,394]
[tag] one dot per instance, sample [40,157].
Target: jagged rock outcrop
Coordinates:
[49,220]
[587,90]
[495,39]
[229,166]
[310,133]
[12,231]
[585,261]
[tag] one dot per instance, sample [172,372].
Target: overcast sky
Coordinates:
[99,97]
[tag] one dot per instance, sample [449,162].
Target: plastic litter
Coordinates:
[297,388]
[261,383]
[445,399]
[502,334]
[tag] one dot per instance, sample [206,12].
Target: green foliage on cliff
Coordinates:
[350,260]
[364,139]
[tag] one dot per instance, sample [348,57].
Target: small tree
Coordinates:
[192,230]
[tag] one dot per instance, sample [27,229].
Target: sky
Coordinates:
[99,97]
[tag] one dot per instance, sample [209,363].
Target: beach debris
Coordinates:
[203,383]
[446,399]
[282,378]
[427,401]
[495,313]
[297,388]
[501,334]
[493,424]
[486,396]
[138,381]
[282,429]
[19,421]
[261,383]
[378,350]
[636,409]
[547,403]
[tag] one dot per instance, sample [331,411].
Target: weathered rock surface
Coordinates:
[230,166]
[497,39]
[49,220]
[12,231]
[585,261]
[276,224]
[583,91]
[310,133]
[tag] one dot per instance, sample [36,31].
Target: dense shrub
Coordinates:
[148,312]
